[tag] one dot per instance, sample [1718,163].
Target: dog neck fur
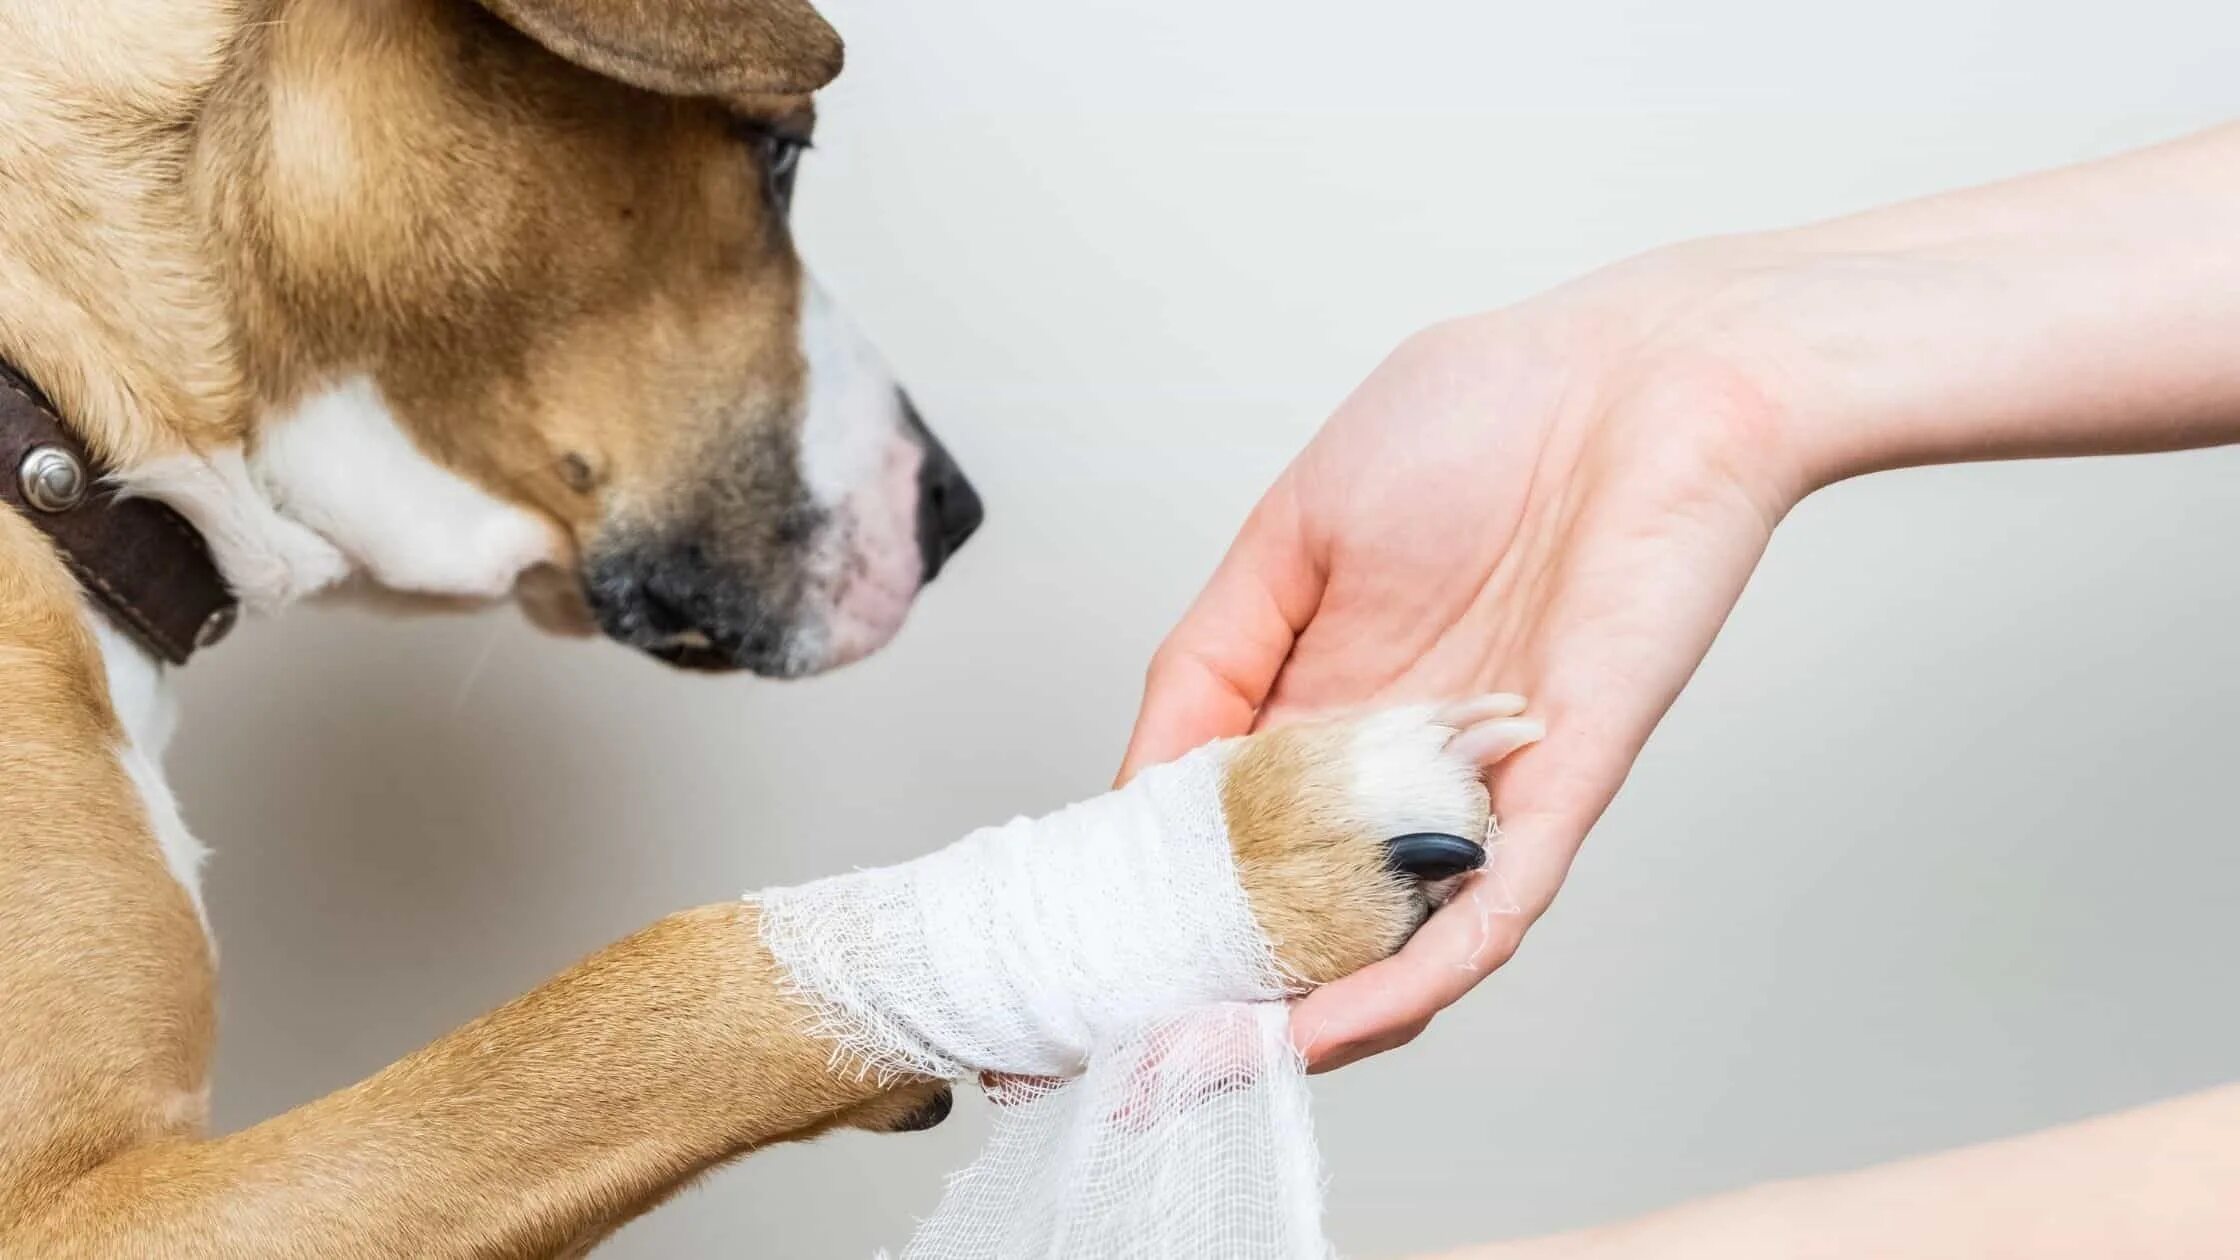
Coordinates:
[160,371]
[161,387]
[336,488]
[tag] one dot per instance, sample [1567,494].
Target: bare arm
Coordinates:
[2161,1181]
[2086,310]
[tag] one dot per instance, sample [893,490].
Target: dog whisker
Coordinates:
[474,670]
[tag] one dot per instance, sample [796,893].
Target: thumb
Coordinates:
[1210,677]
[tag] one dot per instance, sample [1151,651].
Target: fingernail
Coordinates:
[1432,855]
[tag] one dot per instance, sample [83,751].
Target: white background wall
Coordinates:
[1937,848]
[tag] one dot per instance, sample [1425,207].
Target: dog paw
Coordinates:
[907,1108]
[1348,831]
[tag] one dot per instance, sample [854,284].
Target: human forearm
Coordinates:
[2094,309]
[2160,1181]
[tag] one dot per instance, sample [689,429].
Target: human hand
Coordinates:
[1562,500]
[1565,498]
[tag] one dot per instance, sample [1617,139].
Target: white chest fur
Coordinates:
[148,711]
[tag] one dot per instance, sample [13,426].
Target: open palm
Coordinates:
[1562,500]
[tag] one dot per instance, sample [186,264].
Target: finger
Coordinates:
[1389,1002]
[1622,648]
[1210,677]
[1336,1054]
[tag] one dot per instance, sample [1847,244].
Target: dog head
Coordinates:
[520,299]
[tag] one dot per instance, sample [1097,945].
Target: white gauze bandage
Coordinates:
[1109,944]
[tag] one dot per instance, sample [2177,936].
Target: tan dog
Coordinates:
[461,301]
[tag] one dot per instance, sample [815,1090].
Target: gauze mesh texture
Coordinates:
[1109,945]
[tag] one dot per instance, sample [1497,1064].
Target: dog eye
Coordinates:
[777,152]
[781,157]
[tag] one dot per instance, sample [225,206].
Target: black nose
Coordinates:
[948,507]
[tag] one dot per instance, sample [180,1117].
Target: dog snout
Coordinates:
[668,596]
[672,601]
[949,509]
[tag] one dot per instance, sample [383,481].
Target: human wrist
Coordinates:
[1835,344]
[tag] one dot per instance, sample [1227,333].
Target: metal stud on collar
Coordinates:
[53,479]
[217,625]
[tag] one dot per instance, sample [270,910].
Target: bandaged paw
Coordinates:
[1139,943]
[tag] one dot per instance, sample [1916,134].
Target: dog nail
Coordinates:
[1489,742]
[1476,709]
[1432,855]
[932,1113]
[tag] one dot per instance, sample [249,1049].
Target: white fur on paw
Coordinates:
[1407,777]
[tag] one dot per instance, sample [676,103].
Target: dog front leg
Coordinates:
[525,1133]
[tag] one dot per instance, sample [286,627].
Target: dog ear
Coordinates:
[687,47]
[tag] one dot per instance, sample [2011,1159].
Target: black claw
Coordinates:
[1432,855]
[934,1112]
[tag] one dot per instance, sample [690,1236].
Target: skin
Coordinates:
[2156,1181]
[1565,498]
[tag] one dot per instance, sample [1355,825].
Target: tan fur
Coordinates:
[105,980]
[515,250]
[543,269]
[543,1124]
[1323,897]
[532,1131]
[211,207]
[98,101]
[708,48]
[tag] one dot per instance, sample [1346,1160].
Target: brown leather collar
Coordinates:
[141,561]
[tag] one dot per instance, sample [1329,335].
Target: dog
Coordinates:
[458,301]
